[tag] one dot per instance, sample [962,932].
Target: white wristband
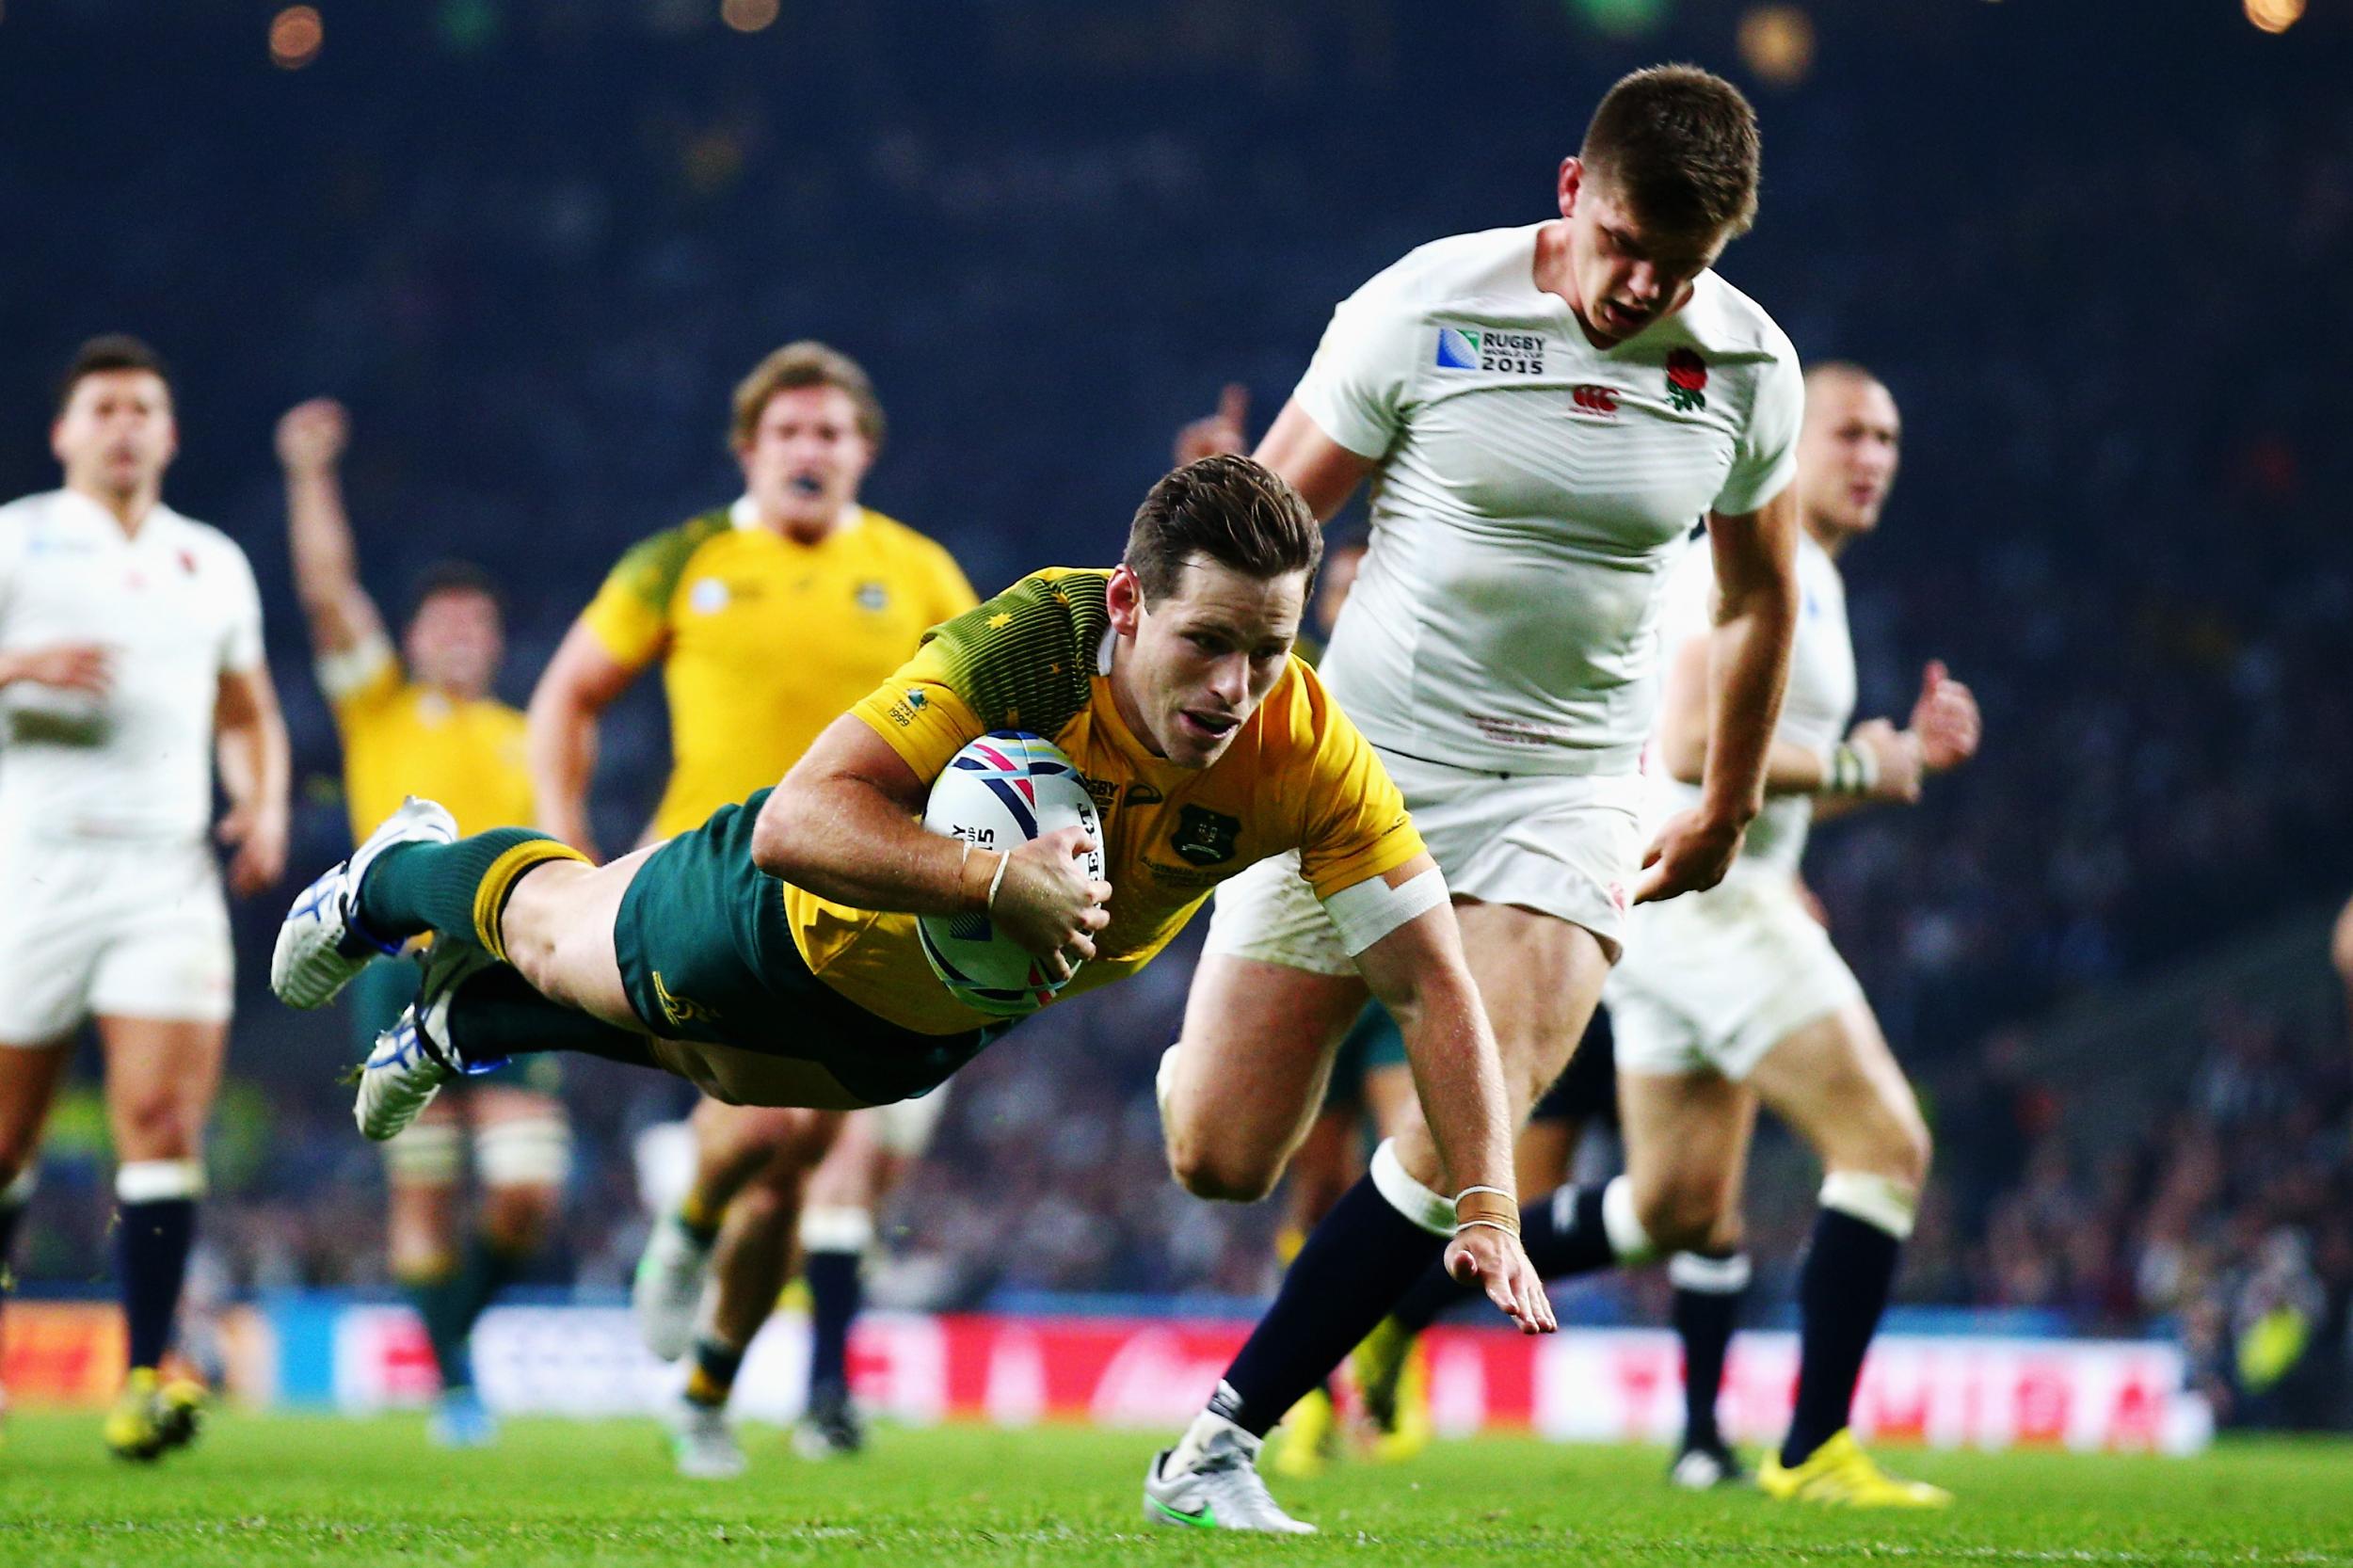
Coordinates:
[997,881]
[1849,770]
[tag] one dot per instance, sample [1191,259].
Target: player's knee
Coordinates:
[157,1124]
[1221,1175]
[1683,1214]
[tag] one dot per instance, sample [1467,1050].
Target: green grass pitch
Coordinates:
[267,1490]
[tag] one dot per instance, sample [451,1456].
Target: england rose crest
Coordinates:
[1687,380]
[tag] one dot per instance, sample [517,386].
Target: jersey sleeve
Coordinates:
[361,677]
[1357,824]
[1356,386]
[1766,458]
[1021,661]
[241,636]
[630,618]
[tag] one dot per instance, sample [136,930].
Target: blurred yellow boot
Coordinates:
[1307,1439]
[1392,1373]
[1840,1475]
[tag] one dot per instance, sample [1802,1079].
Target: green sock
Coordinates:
[496,1014]
[457,891]
[451,1303]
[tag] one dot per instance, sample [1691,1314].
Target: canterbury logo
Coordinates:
[1596,399]
[679,1010]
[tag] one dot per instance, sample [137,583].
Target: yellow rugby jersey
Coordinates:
[1298,775]
[404,739]
[764,640]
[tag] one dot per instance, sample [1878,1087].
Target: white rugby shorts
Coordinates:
[1713,981]
[905,1127]
[1566,845]
[124,927]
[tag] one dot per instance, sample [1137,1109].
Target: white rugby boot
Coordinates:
[666,1294]
[321,944]
[1217,1488]
[415,1057]
[702,1441]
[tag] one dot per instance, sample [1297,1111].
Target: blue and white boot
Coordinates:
[321,943]
[415,1057]
[460,1420]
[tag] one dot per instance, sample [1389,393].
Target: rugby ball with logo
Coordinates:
[999,793]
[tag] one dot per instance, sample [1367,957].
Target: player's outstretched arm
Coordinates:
[1755,557]
[250,739]
[845,824]
[1417,972]
[1875,762]
[560,732]
[311,442]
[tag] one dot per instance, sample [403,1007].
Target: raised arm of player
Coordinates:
[311,440]
[845,824]
[1756,556]
[1941,735]
[250,741]
[1418,973]
[579,683]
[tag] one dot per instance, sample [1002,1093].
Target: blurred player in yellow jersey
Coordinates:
[421,720]
[770,617]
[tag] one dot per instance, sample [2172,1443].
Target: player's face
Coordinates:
[456,642]
[805,458]
[116,435]
[1624,274]
[1847,452]
[1201,659]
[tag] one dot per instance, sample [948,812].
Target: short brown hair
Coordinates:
[1680,144]
[109,352]
[1238,513]
[806,363]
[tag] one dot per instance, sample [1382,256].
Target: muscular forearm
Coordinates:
[1747,667]
[254,760]
[843,839]
[561,742]
[1460,1081]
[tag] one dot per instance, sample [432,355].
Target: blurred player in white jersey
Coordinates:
[130,653]
[1544,411]
[1735,996]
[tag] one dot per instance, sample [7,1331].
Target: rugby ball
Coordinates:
[999,793]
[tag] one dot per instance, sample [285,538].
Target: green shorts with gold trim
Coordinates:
[706,954]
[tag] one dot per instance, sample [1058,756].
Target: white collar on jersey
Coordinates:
[744,513]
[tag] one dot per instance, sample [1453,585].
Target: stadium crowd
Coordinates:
[2142,578]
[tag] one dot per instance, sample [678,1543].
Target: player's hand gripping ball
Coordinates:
[999,793]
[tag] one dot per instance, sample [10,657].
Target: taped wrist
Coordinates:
[1849,770]
[1486,1206]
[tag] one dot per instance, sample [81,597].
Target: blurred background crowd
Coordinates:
[2108,302]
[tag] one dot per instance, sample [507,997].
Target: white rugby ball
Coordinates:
[999,793]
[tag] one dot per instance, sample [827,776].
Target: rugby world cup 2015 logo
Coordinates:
[1490,348]
[1687,380]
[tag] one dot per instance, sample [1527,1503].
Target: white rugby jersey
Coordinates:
[176,606]
[1813,714]
[1532,490]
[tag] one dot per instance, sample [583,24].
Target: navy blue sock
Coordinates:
[1355,1266]
[835,1295]
[1849,1271]
[712,1378]
[1710,1294]
[1562,1233]
[151,1242]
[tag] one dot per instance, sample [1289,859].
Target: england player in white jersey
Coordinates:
[130,653]
[1736,996]
[1544,412]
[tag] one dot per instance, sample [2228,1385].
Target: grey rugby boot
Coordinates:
[321,944]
